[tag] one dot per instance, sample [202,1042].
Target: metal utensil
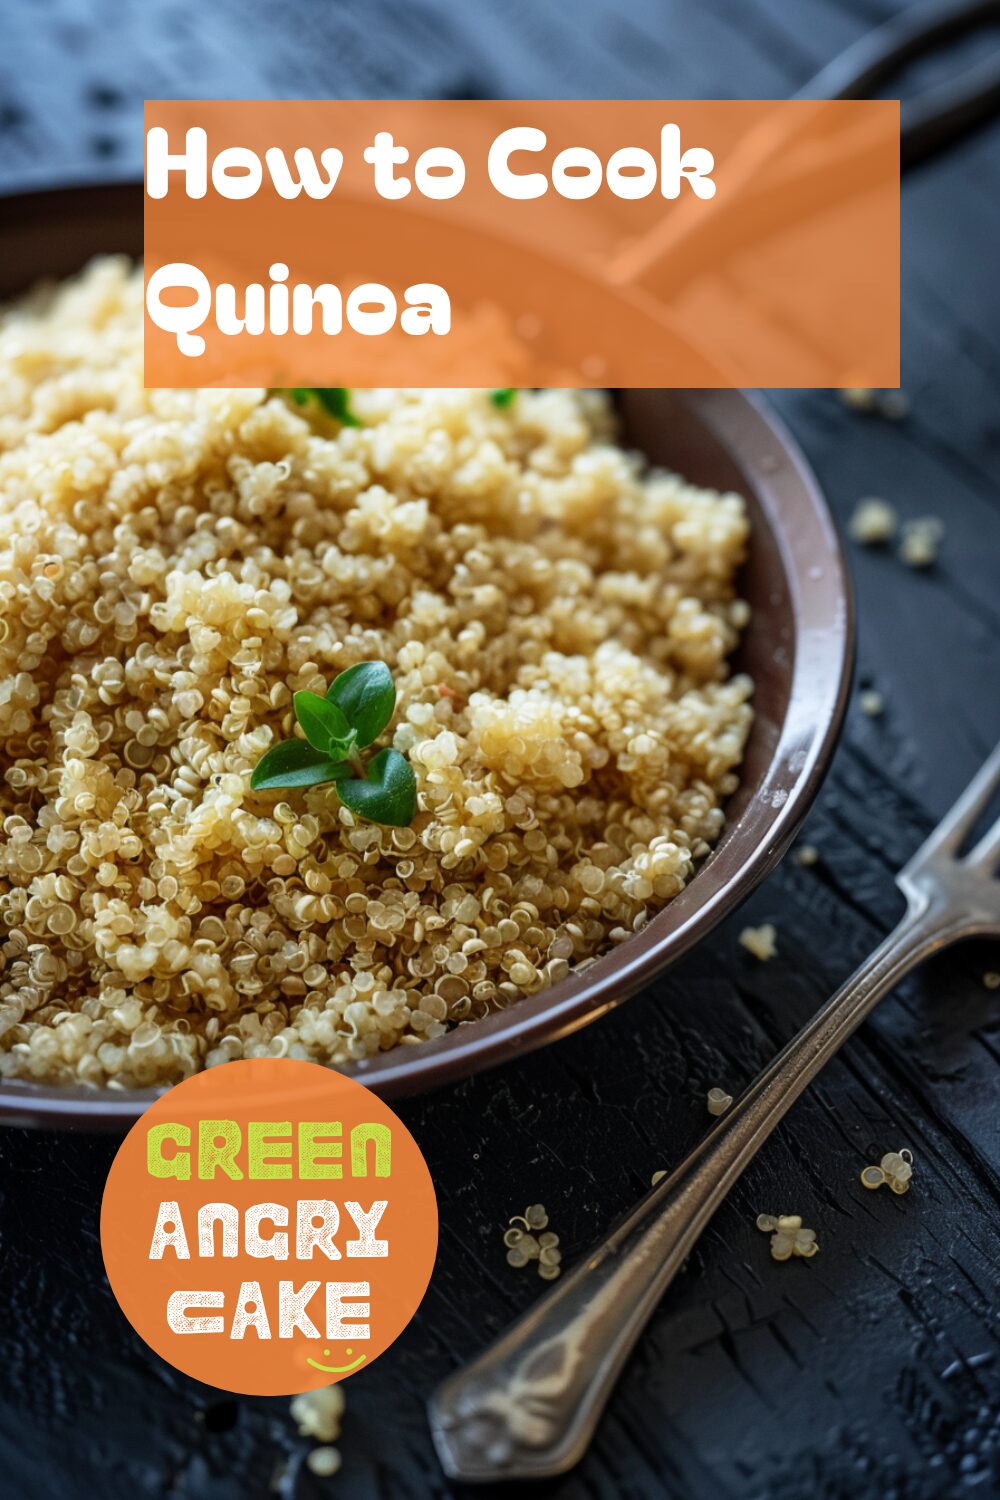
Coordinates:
[942,113]
[528,1406]
[928,123]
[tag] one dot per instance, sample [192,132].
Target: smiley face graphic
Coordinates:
[337,1369]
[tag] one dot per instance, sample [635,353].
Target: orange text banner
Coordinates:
[522,243]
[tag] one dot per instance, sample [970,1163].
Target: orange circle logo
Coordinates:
[269,1226]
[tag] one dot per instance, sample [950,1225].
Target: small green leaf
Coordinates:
[357,707]
[335,399]
[386,794]
[503,398]
[295,763]
[324,724]
[366,696]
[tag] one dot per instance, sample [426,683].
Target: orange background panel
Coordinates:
[788,276]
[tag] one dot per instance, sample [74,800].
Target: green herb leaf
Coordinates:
[324,724]
[335,399]
[366,696]
[387,794]
[295,763]
[357,707]
[503,398]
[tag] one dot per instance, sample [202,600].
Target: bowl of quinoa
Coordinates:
[560,617]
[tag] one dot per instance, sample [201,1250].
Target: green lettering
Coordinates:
[315,1148]
[218,1143]
[258,1141]
[381,1136]
[179,1164]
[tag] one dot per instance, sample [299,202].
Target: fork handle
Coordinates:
[527,1407]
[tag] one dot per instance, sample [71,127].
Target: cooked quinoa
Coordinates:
[175,564]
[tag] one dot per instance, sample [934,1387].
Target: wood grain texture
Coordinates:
[872,1370]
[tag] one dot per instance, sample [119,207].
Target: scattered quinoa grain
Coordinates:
[918,547]
[793,1241]
[318,1413]
[807,854]
[788,1237]
[523,1246]
[991,979]
[858,397]
[893,405]
[760,941]
[323,1462]
[873,523]
[871,703]
[718,1101]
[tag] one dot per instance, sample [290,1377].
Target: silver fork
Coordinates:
[527,1407]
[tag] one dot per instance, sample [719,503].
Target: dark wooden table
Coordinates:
[872,1370]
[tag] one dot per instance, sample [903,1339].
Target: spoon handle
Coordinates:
[527,1407]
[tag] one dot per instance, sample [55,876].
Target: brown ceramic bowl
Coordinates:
[798,649]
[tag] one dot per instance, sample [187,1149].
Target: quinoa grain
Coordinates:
[873,523]
[760,941]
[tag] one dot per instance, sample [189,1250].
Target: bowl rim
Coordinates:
[823,643]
